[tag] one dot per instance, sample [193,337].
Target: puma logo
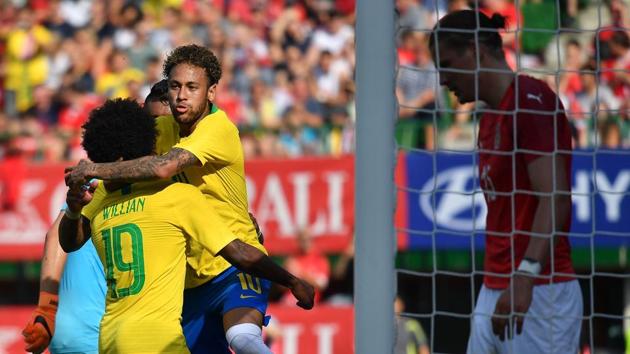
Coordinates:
[538,98]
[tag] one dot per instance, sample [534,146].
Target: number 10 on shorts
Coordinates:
[250,283]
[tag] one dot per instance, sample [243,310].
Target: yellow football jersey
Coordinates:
[216,143]
[141,233]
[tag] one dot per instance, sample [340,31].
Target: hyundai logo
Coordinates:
[459,203]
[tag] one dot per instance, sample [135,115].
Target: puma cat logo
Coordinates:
[538,98]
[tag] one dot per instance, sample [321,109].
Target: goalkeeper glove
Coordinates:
[40,329]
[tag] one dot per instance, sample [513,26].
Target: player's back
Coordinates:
[140,236]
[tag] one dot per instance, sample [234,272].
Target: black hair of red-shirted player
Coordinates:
[120,128]
[460,28]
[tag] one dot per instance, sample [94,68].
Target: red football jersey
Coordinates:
[541,126]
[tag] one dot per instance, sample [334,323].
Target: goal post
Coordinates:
[442,270]
[374,281]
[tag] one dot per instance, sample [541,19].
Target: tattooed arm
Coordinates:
[144,168]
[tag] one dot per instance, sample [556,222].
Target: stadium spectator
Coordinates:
[413,16]
[340,290]
[416,89]
[610,134]
[461,134]
[569,79]
[519,247]
[26,62]
[119,77]
[332,34]
[78,102]
[12,173]
[410,337]
[309,264]
[620,49]
[339,139]
[592,104]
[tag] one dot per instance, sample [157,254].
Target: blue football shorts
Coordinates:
[204,306]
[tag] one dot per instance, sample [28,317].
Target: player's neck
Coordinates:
[500,81]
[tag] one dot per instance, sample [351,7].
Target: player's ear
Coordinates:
[212,92]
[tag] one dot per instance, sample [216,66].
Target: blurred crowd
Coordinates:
[287,65]
[581,48]
[288,68]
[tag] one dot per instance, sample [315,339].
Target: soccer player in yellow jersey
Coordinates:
[221,299]
[201,146]
[143,232]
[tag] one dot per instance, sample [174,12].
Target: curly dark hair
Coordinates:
[119,128]
[194,55]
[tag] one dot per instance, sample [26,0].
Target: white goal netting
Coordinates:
[581,49]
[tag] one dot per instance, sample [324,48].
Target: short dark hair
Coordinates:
[459,29]
[574,42]
[158,92]
[119,128]
[194,55]
[621,38]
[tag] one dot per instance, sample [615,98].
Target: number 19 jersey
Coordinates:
[141,233]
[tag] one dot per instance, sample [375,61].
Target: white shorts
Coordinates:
[552,324]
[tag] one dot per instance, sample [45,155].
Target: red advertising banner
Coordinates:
[315,194]
[12,321]
[323,330]
[22,229]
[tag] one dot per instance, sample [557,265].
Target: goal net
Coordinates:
[576,47]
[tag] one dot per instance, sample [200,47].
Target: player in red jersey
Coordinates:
[529,294]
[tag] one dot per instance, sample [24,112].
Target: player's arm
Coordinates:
[41,327]
[251,260]
[195,216]
[547,176]
[144,168]
[74,228]
[53,261]
[74,231]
